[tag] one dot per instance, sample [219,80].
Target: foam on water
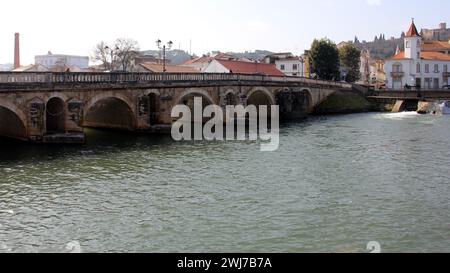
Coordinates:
[400,116]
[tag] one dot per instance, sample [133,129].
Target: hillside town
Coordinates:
[414,60]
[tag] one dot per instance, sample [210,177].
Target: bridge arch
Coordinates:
[12,121]
[230,97]
[192,92]
[260,96]
[110,111]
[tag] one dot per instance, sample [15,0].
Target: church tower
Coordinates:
[413,43]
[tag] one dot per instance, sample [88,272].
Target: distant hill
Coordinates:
[175,56]
[256,55]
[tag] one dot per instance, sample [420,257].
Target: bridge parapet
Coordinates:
[14,80]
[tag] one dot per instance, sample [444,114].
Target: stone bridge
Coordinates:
[55,107]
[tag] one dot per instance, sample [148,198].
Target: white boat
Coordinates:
[445,108]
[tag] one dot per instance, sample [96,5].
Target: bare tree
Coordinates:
[101,53]
[126,51]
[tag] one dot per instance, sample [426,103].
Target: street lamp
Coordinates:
[164,48]
[302,62]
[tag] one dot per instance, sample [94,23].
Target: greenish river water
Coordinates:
[335,184]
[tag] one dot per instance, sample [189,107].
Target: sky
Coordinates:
[75,27]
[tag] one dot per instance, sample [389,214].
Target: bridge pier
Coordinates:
[405,105]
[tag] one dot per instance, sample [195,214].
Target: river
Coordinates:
[335,184]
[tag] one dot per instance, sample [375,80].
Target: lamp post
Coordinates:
[302,63]
[164,48]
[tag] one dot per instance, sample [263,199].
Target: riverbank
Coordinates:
[348,102]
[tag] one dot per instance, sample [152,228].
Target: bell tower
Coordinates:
[413,43]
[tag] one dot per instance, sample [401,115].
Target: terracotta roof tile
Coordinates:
[435,46]
[412,32]
[251,68]
[424,56]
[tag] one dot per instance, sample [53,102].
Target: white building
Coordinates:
[294,66]
[52,61]
[6,67]
[417,67]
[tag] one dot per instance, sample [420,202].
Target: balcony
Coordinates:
[446,74]
[397,74]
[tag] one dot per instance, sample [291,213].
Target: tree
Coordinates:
[101,54]
[119,56]
[324,57]
[126,51]
[350,59]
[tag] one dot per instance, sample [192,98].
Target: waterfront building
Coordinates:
[417,66]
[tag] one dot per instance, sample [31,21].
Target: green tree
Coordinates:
[350,59]
[324,57]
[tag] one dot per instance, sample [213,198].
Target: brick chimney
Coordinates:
[16,51]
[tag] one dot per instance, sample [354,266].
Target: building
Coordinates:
[270,59]
[442,33]
[202,63]
[294,66]
[415,67]
[289,64]
[62,62]
[159,68]
[239,67]
[6,67]
[436,46]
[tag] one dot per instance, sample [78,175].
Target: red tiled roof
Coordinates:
[203,59]
[399,56]
[435,46]
[437,56]
[251,68]
[412,32]
[158,68]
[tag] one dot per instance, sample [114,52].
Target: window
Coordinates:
[282,67]
[408,44]
[418,68]
[427,82]
[418,55]
[397,67]
[295,67]
[436,68]
[427,68]
[445,68]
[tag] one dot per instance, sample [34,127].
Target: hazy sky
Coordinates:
[74,27]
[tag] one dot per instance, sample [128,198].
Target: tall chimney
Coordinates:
[16,51]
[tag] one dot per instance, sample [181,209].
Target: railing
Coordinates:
[18,78]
